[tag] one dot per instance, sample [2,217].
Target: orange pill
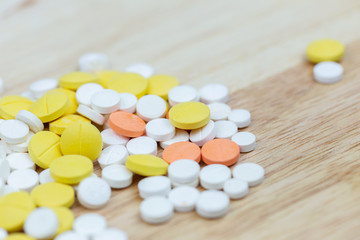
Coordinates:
[127,124]
[220,151]
[182,150]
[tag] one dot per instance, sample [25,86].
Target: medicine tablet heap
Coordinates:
[52,135]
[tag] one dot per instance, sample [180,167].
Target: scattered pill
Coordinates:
[241,117]
[214,92]
[24,179]
[111,234]
[86,91]
[89,224]
[45,177]
[70,235]
[105,101]
[12,104]
[59,125]
[66,219]
[40,87]
[236,188]
[146,165]
[252,173]
[93,193]
[156,209]
[325,50]
[213,177]
[204,134]
[212,204]
[128,83]
[117,176]
[219,111]
[72,99]
[160,85]
[112,155]
[225,129]
[220,151]
[182,150]
[74,80]
[189,115]
[144,69]
[19,161]
[142,145]
[184,198]
[31,120]
[184,171]
[127,102]
[42,223]
[181,94]
[245,140]
[126,124]
[150,107]
[180,136]
[154,186]
[91,114]
[53,194]
[93,62]
[160,129]
[13,131]
[328,72]
[110,137]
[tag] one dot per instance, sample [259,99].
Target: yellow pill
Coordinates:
[74,80]
[19,236]
[81,138]
[72,99]
[18,199]
[53,194]
[59,125]
[50,106]
[66,219]
[146,165]
[160,85]
[12,104]
[189,115]
[71,169]
[105,76]
[129,83]
[325,50]
[44,147]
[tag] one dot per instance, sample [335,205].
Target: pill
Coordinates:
[126,124]
[117,176]
[127,102]
[219,111]
[191,184]
[146,165]
[156,209]
[236,188]
[31,120]
[214,176]
[212,204]
[114,154]
[74,80]
[129,83]
[154,186]
[241,117]
[328,72]
[23,179]
[13,131]
[45,177]
[104,76]
[66,219]
[111,234]
[86,91]
[182,150]
[142,145]
[12,104]
[70,235]
[21,147]
[220,151]
[110,137]
[105,101]
[144,69]
[184,198]
[53,194]
[89,224]
[160,129]
[204,134]
[160,85]
[245,140]
[325,50]
[252,173]
[40,87]
[181,94]
[91,114]
[214,92]
[19,236]
[3,234]
[19,161]
[183,171]
[93,62]
[73,105]
[180,136]
[150,107]
[225,129]
[189,115]
[42,223]
[59,125]
[93,193]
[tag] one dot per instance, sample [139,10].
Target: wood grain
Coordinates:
[307,134]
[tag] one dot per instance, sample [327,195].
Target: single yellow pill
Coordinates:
[71,169]
[146,165]
[74,80]
[72,99]
[129,83]
[81,138]
[325,50]
[105,76]
[160,85]
[66,219]
[53,194]
[50,106]
[12,104]
[59,125]
[19,236]
[189,115]
[44,147]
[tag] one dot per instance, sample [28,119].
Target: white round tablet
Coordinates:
[236,188]
[21,147]
[214,176]
[93,62]
[111,234]
[114,154]
[184,198]
[252,173]
[40,87]
[142,145]
[89,224]
[117,176]
[212,204]
[127,102]
[245,140]
[105,101]
[3,234]
[19,161]
[241,117]
[202,135]
[160,129]
[86,91]
[70,235]
[31,120]
[91,114]
[4,169]
[214,92]
[225,129]
[180,136]
[154,186]
[13,131]
[219,111]
[182,93]
[184,171]
[328,72]
[156,209]
[42,223]
[150,107]
[24,179]
[45,176]
[110,137]
[93,193]
[144,69]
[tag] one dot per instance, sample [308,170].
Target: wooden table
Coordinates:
[308,134]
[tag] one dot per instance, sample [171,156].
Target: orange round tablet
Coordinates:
[127,124]
[220,151]
[182,150]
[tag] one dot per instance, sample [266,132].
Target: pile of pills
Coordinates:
[52,134]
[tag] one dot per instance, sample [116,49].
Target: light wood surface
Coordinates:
[307,134]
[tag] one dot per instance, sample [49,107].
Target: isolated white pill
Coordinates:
[45,176]
[24,179]
[160,129]
[93,193]
[214,92]
[252,173]
[31,120]
[182,93]
[154,186]
[93,62]
[111,234]
[91,114]
[245,140]
[144,69]
[3,234]
[236,188]
[180,136]
[142,145]
[89,224]
[202,135]
[212,204]
[21,147]
[114,154]
[184,198]
[110,137]
[328,72]
[4,169]
[184,171]
[127,102]
[150,107]
[225,129]
[214,176]
[42,223]
[241,117]
[156,209]
[13,131]
[70,235]
[219,111]
[117,176]
[19,161]
[40,87]
[105,101]
[86,91]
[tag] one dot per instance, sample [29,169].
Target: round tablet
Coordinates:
[325,50]
[126,124]
[328,72]
[89,224]
[161,84]
[183,93]
[150,107]
[31,120]
[117,176]
[225,129]
[4,169]
[93,193]
[154,186]
[144,69]
[219,111]
[110,137]
[70,235]
[220,151]
[241,117]
[142,145]
[93,62]
[189,115]
[180,136]
[13,131]
[146,165]
[236,188]
[214,176]
[23,180]
[45,177]
[74,80]
[214,92]
[19,161]
[91,114]
[42,223]
[245,140]
[105,101]
[53,194]
[111,234]
[12,104]
[160,129]
[182,150]
[86,91]
[204,134]
[183,171]
[72,99]
[252,173]
[114,154]
[40,87]
[128,83]
[127,102]
[184,198]
[212,204]
[156,209]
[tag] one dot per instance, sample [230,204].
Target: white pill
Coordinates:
[184,171]
[93,193]
[184,198]
[252,173]
[191,184]
[117,176]
[40,87]
[13,131]
[127,102]
[3,234]
[328,72]
[21,147]
[142,145]
[31,120]
[225,129]
[180,136]
[154,186]
[219,111]
[93,62]
[183,93]
[212,204]
[202,135]
[150,107]
[245,140]
[19,161]
[4,169]
[24,179]
[70,235]
[42,223]
[105,101]
[241,117]
[86,91]
[156,209]
[28,94]
[114,154]
[110,137]
[111,234]
[214,92]
[236,188]
[91,114]
[214,176]
[89,224]
[45,176]
[143,69]
[160,129]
